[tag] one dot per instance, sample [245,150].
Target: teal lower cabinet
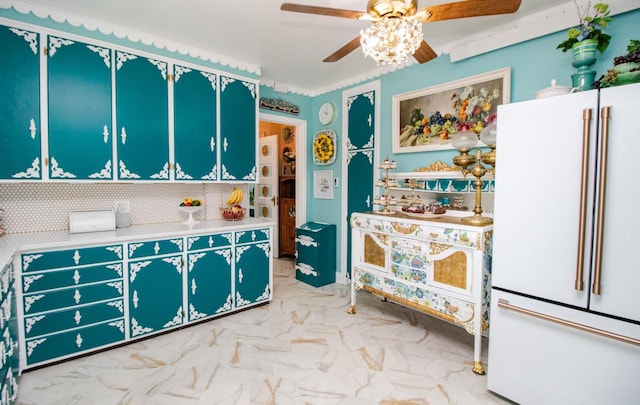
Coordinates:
[316,253]
[9,358]
[155,294]
[72,301]
[78,300]
[209,269]
[253,268]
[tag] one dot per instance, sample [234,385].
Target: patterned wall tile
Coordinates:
[40,207]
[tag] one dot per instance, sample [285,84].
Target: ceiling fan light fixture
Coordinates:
[391,40]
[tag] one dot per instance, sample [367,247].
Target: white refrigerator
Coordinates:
[565,297]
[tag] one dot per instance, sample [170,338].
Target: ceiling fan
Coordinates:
[390,13]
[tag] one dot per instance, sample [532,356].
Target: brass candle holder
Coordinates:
[464,142]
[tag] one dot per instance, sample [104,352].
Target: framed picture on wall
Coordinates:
[425,119]
[323,184]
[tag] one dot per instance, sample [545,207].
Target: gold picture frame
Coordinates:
[490,89]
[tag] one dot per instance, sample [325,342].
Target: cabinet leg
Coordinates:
[477,368]
[352,309]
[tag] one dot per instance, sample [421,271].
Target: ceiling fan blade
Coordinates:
[331,12]
[344,51]
[468,8]
[424,53]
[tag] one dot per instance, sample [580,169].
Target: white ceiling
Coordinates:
[286,48]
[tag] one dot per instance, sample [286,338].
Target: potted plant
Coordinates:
[590,28]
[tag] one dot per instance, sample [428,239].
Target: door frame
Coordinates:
[301,161]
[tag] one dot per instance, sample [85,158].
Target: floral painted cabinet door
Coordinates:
[80,129]
[142,118]
[20,156]
[195,120]
[238,129]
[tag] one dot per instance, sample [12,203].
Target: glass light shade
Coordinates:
[464,140]
[488,135]
[391,40]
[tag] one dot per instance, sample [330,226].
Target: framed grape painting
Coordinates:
[425,119]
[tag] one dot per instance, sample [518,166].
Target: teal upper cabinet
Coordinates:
[142,118]
[20,105]
[79,100]
[195,136]
[238,129]
[361,119]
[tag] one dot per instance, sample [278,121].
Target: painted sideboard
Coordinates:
[437,265]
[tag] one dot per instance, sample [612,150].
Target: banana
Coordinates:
[236,197]
[232,198]
[240,195]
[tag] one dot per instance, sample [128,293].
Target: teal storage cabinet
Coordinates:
[316,253]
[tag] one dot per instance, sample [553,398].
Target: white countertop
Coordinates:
[11,244]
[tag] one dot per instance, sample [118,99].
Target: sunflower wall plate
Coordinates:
[324,147]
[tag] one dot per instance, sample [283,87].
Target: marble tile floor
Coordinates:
[302,348]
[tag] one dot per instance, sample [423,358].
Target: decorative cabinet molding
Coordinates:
[440,267]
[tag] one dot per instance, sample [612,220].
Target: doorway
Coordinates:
[286,200]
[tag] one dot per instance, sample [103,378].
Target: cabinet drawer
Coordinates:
[34,282]
[74,341]
[209,241]
[69,297]
[57,321]
[73,257]
[434,303]
[154,248]
[253,235]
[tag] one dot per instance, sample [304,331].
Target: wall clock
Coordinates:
[326,113]
[324,147]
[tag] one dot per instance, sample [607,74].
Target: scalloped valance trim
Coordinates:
[130,34]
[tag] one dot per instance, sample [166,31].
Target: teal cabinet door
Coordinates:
[252,273]
[361,126]
[238,129]
[79,93]
[142,118]
[20,140]
[194,124]
[209,283]
[155,294]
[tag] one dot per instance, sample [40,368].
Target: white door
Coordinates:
[266,192]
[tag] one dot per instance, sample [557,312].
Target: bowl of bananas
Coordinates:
[234,211]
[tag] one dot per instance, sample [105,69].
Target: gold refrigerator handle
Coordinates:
[605,114]
[504,304]
[584,180]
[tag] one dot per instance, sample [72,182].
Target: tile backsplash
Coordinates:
[39,207]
